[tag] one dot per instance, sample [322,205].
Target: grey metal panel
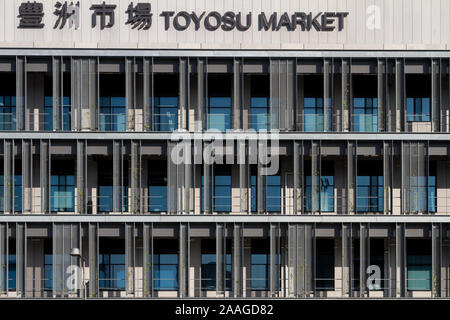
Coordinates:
[436,66]
[21,259]
[364,254]
[275,94]
[237,94]
[388,163]
[8,176]
[57,76]
[165,67]
[81,177]
[3,257]
[76,93]
[346,259]
[147,93]
[315,176]
[27,174]
[111,65]
[130,92]
[400,254]
[44,175]
[184,260]
[117,175]
[243,176]
[220,258]
[436,258]
[184,92]
[309,260]
[238,258]
[261,181]
[275,259]
[201,94]
[172,179]
[148,260]
[207,185]
[346,111]
[136,178]
[382,123]
[7,65]
[400,95]
[292,261]
[352,160]
[298,177]
[328,93]
[39,65]
[93,259]
[130,253]
[21,94]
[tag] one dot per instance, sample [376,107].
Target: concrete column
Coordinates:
[220,259]
[388,162]
[136,173]
[400,259]
[117,175]
[237,93]
[346,95]
[275,258]
[130,92]
[21,259]
[243,177]
[436,256]
[436,67]
[21,87]
[44,175]
[383,121]
[238,258]
[346,260]
[3,257]
[27,174]
[82,176]
[184,261]
[364,247]
[148,259]
[352,159]
[8,176]
[130,258]
[93,259]
[298,177]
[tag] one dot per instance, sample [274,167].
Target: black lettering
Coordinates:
[312,22]
[239,26]
[285,22]
[217,17]
[187,21]
[341,16]
[167,15]
[264,24]
[196,19]
[228,21]
[299,18]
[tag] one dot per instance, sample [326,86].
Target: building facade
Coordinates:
[349,100]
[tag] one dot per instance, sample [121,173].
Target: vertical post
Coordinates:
[364,246]
[184,260]
[346,95]
[315,177]
[298,177]
[260,180]
[27,162]
[274,259]
[401,123]
[308,259]
[93,259]
[382,120]
[148,259]
[21,94]
[81,177]
[147,94]
[76,92]
[436,95]
[237,93]
[57,71]
[243,176]
[3,257]
[351,176]
[387,176]
[130,92]
[172,188]
[238,250]
[220,259]
[186,185]
[207,185]
[135,178]
[400,254]
[291,94]
[130,252]
[328,94]
[274,94]
[184,93]
[44,175]
[117,174]
[200,119]
[346,260]
[21,258]
[8,176]
[293,266]
[436,254]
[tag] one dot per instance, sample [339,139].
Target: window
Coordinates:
[369,189]
[165,265]
[105,187]
[62,186]
[158,186]
[326,189]
[423,190]
[165,117]
[313,104]
[419,264]
[418,97]
[273,193]
[377,259]
[324,264]
[209,262]
[222,188]
[219,101]
[259,103]
[260,264]
[112,103]
[12,259]
[48,265]
[365,103]
[7,112]
[17,193]
[48,113]
[112,264]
